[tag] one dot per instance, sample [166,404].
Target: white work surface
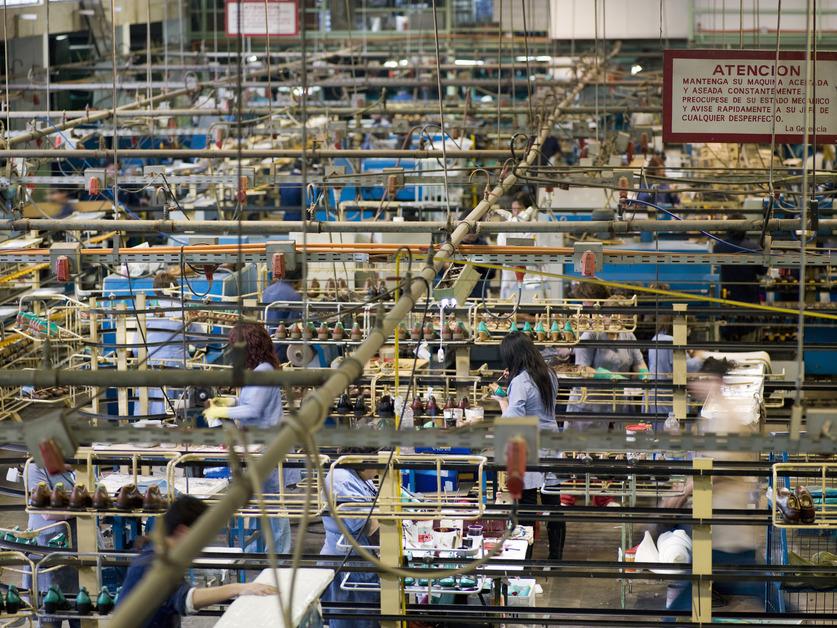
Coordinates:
[249,611]
[513,549]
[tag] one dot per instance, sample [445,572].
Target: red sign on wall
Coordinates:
[734,95]
[277,18]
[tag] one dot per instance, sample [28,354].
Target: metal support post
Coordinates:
[702,543]
[121,358]
[142,353]
[679,334]
[94,354]
[390,538]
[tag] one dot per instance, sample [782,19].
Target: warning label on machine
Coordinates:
[745,96]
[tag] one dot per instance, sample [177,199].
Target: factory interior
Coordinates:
[418,313]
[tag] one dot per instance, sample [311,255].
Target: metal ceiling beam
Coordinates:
[278,153]
[339,109]
[45,378]
[262,227]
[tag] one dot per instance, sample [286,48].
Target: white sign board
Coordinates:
[731,96]
[277,18]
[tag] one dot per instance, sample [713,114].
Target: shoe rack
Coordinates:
[805,495]
[284,504]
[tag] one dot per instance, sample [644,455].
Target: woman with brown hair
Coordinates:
[255,406]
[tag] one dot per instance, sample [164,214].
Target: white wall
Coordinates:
[619,19]
[709,16]
[640,19]
[537,12]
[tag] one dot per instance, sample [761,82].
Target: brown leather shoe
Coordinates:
[39,496]
[80,497]
[153,499]
[59,497]
[807,511]
[102,499]
[128,497]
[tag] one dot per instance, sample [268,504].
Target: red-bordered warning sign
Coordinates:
[734,96]
[277,18]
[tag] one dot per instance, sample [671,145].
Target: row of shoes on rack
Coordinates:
[15,535]
[55,601]
[796,506]
[128,497]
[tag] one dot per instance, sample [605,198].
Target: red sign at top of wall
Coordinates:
[734,96]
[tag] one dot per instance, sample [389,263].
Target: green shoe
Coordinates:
[59,541]
[13,602]
[104,603]
[826,559]
[10,536]
[83,602]
[54,600]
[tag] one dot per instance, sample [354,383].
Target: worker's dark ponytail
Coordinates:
[518,354]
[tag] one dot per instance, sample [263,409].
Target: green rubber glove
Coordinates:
[603,373]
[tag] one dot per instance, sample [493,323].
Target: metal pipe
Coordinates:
[45,378]
[390,107]
[296,226]
[361,82]
[211,153]
[165,574]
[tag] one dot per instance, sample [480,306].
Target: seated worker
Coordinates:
[186,599]
[603,362]
[655,191]
[346,485]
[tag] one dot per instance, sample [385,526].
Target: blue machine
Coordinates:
[683,277]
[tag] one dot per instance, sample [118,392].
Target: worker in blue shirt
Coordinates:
[66,578]
[532,389]
[185,599]
[167,337]
[280,290]
[257,406]
[347,485]
[657,192]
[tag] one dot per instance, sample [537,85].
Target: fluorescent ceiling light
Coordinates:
[469,62]
[391,64]
[60,37]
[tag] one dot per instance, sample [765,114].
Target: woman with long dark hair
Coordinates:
[531,392]
[256,406]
